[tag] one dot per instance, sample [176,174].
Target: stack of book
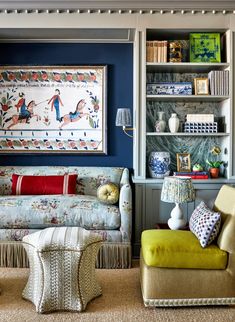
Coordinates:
[219,82]
[156,51]
[193,174]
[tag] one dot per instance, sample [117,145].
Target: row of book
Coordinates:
[162,51]
[193,174]
[219,82]
[156,51]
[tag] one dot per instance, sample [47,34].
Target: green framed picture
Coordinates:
[205,48]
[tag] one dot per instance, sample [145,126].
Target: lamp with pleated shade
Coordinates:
[177,190]
[123,118]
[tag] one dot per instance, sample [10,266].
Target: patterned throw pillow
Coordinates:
[44,185]
[108,193]
[205,224]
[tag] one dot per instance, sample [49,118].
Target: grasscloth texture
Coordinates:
[120,301]
[62,269]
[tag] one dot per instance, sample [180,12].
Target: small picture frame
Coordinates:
[201,86]
[183,162]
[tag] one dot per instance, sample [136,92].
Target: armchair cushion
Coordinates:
[179,249]
[205,224]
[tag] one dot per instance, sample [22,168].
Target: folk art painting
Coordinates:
[53,109]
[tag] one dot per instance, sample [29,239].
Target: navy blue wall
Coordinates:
[118,58]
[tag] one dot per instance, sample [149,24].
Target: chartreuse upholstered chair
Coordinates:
[177,271]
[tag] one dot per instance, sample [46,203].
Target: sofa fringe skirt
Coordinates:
[111,255]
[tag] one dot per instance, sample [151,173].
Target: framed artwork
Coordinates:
[201,86]
[205,48]
[53,109]
[183,162]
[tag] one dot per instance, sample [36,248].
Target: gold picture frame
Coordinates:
[201,86]
[183,162]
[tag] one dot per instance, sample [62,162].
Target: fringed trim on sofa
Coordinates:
[113,255]
[12,254]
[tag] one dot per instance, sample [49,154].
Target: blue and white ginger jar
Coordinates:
[159,164]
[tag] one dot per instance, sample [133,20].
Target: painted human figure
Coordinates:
[76,115]
[19,118]
[24,113]
[55,102]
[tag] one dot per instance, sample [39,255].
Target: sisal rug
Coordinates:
[121,302]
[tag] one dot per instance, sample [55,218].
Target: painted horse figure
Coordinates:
[74,116]
[24,118]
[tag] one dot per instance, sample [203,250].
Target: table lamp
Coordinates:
[178,190]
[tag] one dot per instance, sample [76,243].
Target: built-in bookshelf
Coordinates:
[197,144]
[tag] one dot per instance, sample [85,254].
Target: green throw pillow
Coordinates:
[108,193]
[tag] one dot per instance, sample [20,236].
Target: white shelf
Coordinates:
[185,134]
[185,67]
[191,98]
[195,181]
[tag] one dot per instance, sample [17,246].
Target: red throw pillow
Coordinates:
[44,185]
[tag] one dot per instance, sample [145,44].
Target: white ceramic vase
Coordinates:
[174,123]
[160,124]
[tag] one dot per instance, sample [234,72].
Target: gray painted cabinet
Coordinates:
[149,209]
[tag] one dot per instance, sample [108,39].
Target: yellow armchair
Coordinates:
[176,271]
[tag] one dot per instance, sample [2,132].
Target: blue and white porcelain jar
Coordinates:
[159,164]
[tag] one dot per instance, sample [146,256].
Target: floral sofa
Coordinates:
[24,214]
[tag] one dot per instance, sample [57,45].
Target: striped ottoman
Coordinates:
[62,268]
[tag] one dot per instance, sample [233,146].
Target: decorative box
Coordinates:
[200,118]
[174,88]
[205,47]
[200,127]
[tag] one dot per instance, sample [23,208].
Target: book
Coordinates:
[155,51]
[193,174]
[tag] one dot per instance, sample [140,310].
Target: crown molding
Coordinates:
[117,4]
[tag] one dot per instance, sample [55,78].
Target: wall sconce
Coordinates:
[123,118]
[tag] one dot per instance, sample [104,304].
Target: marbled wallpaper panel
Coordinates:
[198,147]
[181,109]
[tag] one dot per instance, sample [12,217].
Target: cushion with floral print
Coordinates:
[205,224]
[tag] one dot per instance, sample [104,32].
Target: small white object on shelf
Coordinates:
[174,123]
[160,124]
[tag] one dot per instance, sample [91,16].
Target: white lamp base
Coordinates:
[177,220]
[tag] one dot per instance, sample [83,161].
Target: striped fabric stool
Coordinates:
[62,269]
